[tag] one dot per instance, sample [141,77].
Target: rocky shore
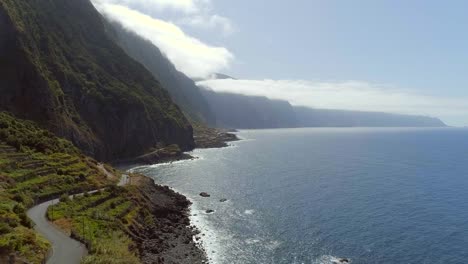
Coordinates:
[204,137]
[213,137]
[165,236]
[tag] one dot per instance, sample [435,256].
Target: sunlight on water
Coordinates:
[326,195]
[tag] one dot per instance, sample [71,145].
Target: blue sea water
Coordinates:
[388,195]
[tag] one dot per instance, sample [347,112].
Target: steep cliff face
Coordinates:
[181,88]
[59,67]
[240,111]
[310,117]
[246,112]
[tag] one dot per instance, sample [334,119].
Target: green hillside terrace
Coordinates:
[36,166]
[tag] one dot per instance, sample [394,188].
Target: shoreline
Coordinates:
[206,138]
[171,236]
[200,232]
[207,234]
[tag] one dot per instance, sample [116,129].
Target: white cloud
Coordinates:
[194,13]
[350,95]
[210,22]
[186,6]
[189,55]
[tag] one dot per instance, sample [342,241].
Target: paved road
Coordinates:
[64,249]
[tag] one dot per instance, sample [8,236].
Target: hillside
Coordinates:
[60,68]
[181,88]
[122,224]
[251,112]
[240,111]
[36,166]
[138,223]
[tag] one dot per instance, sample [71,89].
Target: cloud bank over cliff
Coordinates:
[350,95]
[189,54]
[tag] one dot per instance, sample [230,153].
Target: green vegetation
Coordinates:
[183,90]
[16,234]
[35,166]
[25,135]
[78,83]
[102,221]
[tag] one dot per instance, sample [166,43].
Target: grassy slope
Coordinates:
[34,166]
[102,221]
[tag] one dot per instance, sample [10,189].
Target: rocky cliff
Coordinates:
[247,112]
[240,111]
[181,88]
[61,69]
[310,117]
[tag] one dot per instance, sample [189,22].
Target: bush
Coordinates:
[65,198]
[25,221]
[82,177]
[19,209]
[5,228]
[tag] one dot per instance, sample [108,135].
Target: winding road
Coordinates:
[65,250]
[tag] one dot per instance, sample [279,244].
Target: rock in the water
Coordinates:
[341,261]
[204,194]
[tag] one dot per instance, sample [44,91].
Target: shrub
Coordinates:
[65,198]
[18,209]
[5,228]
[82,177]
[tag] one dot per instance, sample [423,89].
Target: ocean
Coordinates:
[372,195]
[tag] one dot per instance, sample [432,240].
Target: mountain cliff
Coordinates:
[59,68]
[250,112]
[310,117]
[240,111]
[181,88]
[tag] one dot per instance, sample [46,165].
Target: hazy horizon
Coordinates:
[390,56]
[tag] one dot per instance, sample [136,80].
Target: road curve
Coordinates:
[64,249]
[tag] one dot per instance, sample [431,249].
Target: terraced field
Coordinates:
[140,222]
[43,176]
[36,166]
[103,221]
[27,178]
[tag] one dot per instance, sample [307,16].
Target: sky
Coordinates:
[397,56]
